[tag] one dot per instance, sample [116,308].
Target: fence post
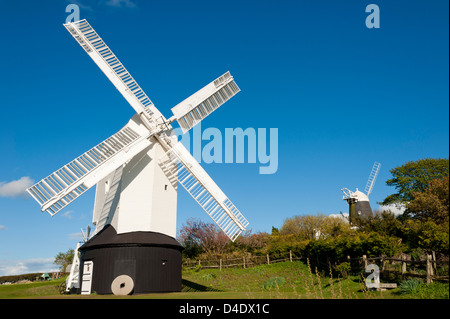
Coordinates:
[244,260]
[268,262]
[220,264]
[434,260]
[429,270]
[290,255]
[403,265]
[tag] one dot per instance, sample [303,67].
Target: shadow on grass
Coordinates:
[190,286]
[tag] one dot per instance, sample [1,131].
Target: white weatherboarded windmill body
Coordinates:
[136,171]
[358,201]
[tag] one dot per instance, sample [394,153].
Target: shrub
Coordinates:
[410,286]
[274,282]
[343,269]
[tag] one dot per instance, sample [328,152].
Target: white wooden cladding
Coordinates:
[97,49]
[205,101]
[59,189]
[204,190]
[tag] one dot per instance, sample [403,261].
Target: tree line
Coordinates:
[422,189]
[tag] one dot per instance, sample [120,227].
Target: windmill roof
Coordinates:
[109,237]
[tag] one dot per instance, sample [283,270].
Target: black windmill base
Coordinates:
[152,260]
[359,210]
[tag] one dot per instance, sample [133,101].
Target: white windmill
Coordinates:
[358,201]
[133,248]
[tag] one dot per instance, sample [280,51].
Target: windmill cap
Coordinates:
[360,196]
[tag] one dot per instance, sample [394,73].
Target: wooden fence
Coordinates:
[405,266]
[244,261]
[430,268]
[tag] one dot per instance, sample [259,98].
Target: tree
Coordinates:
[252,242]
[309,227]
[432,204]
[302,227]
[199,237]
[275,231]
[414,176]
[384,223]
[64,259]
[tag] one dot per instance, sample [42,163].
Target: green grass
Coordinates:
[414,289]
[282,280]
[31,290]
[286,280]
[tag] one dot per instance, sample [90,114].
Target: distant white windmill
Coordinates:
[358,201]
[136,172]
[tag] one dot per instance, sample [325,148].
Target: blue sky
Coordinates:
[340,94]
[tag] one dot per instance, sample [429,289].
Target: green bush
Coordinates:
[410,286]
[274,282]
[343,269]
[337,249]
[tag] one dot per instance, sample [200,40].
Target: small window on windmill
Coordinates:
[165,187]
[163,262]
[106,187]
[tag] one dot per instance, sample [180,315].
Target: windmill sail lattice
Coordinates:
[62,187]
[204,190]
[372,178]
[205,101]
[97,49]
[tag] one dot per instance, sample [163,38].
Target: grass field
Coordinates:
[286,280]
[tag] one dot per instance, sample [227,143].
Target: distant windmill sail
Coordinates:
[372,178]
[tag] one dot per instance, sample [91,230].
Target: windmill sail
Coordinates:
[195,108]
[106,60]
[372,178]
[204,190]
[60,188]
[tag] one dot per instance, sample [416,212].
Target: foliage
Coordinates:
[371,244]
[431,204]
[64,259]
[197,237]
[343,269]
[414,176]
[412,288]
[207,240]
[275,231]
[308,227]
[252,243]
[278,245]
[409,286]
[274,282]
[427,235]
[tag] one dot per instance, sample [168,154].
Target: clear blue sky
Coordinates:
[341,95]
